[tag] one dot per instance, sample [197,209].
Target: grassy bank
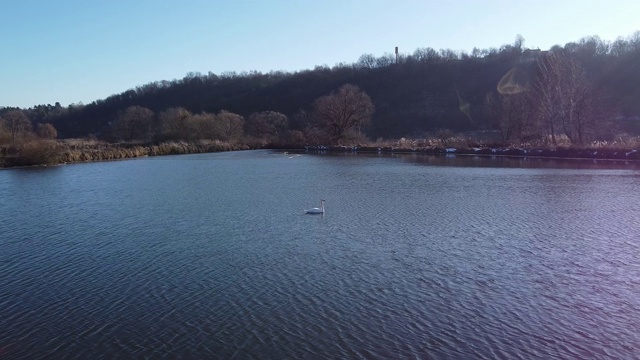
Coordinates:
[623,148]
[43,152]
[52,152]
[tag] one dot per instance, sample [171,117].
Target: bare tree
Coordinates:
[512,115]
[204,126]
[135,123]
[267,125]
[229,126]
[548,91]
[385,60]
[426,55]
[348,109]
[568,102]
[367,61]
[5,137]
[18,124]
[46,131]
[176,124]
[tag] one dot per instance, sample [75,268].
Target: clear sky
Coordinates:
[74,51]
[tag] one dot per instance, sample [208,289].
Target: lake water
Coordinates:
[209,256]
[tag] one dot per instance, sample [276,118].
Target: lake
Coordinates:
[210,256]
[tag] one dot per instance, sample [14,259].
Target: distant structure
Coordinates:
[396,55]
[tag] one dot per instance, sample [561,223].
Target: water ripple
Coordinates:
[410,261]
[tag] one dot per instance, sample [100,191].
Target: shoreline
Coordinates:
[60,153]
[538,153]
[110,152]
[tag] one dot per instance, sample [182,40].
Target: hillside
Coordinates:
[423,92]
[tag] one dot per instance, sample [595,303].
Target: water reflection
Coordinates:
[497,161]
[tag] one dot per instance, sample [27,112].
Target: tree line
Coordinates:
[15,127]
[335,117]
[559,101]
[579,92]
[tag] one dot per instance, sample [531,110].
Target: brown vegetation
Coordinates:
[17,124]
[50,152]
[46,131]
[580,96]
[47,152]
[343,112]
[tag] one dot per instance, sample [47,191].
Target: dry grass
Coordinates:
[32,152]
[426,143]
[621,142]
[49,152]
[105,151]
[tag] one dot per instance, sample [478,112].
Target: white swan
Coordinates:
[319,210]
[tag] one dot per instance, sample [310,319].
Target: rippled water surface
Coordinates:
[209,256]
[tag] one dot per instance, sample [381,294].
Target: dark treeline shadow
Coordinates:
[413,95]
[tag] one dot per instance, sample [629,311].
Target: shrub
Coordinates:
[37,152]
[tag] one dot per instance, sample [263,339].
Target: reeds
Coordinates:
[49,152]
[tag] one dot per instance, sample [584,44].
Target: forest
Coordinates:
[582,93]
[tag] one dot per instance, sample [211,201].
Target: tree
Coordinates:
[204,126]
[385,60]
[4,133]
[367,61]
[176,124]
[338,113]
[512,113]
[46,131]
[267,125]
[568,102]
[18,124]
[135,123]
[229,126]
[412,98]
[426,55]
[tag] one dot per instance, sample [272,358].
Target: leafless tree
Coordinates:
[5,137]
[46,131]
[176,124]
[367,61]
[345,110]
[426,55]
[229,126]
[204,126]
[568,102]
[512,115]
[267,125]
[18,124]
[135,123]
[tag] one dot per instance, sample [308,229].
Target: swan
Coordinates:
[319,210]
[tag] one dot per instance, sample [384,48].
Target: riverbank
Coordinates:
[75,151]
[558,152]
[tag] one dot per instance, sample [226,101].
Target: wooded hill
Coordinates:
[413,94]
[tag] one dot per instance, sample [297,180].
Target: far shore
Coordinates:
[556,153]
[67,152]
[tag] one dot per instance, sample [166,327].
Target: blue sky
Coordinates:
[74,51]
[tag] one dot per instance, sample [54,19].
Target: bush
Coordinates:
[37,152]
